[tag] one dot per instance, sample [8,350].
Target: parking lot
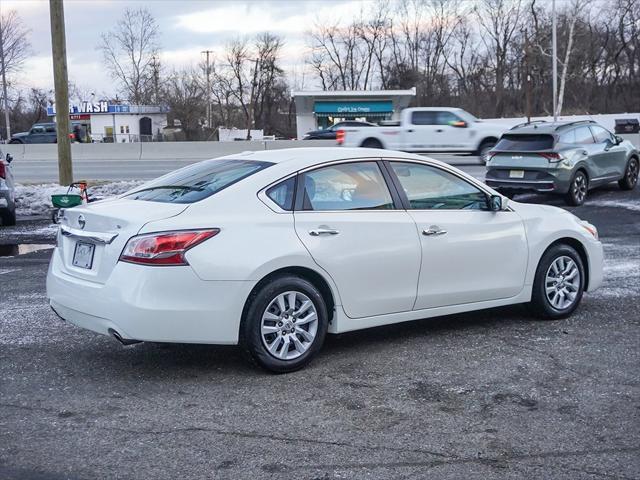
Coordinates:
[485,395]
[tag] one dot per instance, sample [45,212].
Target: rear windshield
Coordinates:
[198,181]
[513,142]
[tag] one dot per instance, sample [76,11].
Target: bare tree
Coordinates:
[14,48]
[131,51]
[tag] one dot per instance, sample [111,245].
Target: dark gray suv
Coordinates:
[568,158]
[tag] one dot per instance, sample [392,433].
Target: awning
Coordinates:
[355,115]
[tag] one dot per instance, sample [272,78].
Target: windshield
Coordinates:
[198,181]
[512,142]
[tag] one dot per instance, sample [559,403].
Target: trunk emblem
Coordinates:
[516,157]
[81,221]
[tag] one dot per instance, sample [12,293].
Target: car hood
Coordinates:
[19,134]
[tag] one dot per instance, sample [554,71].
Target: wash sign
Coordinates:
[354,107]
[92,107]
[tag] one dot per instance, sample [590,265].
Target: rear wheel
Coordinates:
[371,143]
[558,284]
[8,217]
[630,179]
[285,324]
[578,189]
[484,148]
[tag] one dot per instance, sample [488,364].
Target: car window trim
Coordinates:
[405,199]
[299,196]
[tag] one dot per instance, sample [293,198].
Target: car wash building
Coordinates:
[121,123]
[316,110]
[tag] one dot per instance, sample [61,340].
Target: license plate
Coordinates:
[83,255]
[516,173]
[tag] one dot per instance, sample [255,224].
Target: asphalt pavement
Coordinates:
[486,395]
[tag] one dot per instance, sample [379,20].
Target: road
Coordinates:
[487,395]
[41,171]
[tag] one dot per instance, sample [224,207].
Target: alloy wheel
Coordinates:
[562,283]
[632,172]
[289,325]
[579,188]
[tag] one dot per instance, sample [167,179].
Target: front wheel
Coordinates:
[578,189]
[285,324]
[558,284]
[630,179]
[372,143]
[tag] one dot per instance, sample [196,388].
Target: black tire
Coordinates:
[251,340]
[483,149]
[630,179]
[578,189]
[372,143]
[540,303]
[15,142]
[8,218]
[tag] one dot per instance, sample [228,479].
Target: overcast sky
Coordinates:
[187,27]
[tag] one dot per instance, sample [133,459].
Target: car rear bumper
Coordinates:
[535,185]
[155,304]
[538,179]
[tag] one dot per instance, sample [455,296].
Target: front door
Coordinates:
[609,157]
[432,130]
[348,221]
[469,254]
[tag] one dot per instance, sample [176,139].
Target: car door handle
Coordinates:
[439,130]
[410,131]
[433,230]
[323,231]
[584,152]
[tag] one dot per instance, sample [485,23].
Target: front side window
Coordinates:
[601,135]
[447,118]
[198,181]
[429,188]
[346,186]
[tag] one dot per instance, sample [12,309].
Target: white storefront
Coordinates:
[120,123]
[321,109]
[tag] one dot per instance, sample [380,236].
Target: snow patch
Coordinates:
[633,206]
[36,199]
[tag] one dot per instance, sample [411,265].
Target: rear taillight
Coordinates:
[164,248]
[552,156]
[3,170]
[340,137]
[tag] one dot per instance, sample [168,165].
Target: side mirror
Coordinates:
[498,203]
[9,158]
[619,139]
[458,124]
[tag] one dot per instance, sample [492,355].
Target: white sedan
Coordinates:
[271,250]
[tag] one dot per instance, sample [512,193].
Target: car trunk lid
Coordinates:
[101,230]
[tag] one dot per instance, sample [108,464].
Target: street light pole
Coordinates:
[4,87]
[209,119]
[554,47]
[61,82]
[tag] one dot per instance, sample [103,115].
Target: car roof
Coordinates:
[303,157]
[543,127]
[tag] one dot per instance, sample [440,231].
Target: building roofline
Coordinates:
[353,93]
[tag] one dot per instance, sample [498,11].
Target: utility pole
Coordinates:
[554,47]
[155,67]
[209,119]
[61,82]
[527,72]
[4,87]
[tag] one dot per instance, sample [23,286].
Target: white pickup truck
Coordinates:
[428,129]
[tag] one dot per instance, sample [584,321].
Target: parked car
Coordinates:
[568,158]
[7,191]
[330,133]
[39,133]
[274,249]
[428,129]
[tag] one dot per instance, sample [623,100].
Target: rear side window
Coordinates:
[424,118]
[583,135]
[282,193]
[198,181]
[517,142]
[346,186]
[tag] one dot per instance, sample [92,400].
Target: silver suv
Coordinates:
[7,192]
[568,158]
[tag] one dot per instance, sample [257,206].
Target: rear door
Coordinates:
[348,219]
[469,254]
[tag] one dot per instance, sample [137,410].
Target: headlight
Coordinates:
[590,228]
